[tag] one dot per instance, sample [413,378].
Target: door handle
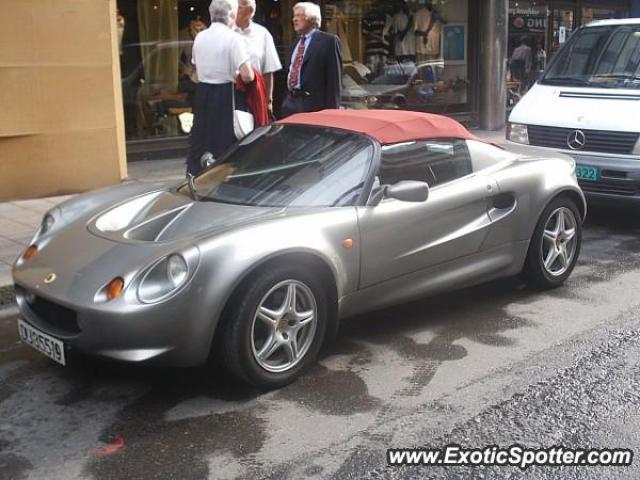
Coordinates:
[501,205]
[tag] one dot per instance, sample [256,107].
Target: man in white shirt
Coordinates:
[521,61]
[264,57]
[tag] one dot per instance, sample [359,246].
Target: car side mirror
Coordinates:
[207,160]
[408,191]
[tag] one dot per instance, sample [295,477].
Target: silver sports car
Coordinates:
[303,222]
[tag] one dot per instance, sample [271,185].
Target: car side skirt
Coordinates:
[502,261]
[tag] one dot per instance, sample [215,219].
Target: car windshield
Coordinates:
[607,56]
[289,166]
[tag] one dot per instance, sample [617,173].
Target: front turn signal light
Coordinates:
[30,252]
[115,288]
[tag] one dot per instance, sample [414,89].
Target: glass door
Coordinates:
[562,22]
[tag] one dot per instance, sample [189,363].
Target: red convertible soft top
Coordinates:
[386,126]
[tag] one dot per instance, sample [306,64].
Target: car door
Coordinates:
[399,237]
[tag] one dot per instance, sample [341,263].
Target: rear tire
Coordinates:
[274,327]
[555,245]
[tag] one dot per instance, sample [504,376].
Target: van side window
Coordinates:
[432,161]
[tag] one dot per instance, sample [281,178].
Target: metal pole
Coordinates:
[493,63]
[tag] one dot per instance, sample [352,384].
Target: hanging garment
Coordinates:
[404,40]
[255,94]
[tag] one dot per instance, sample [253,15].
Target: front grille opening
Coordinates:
[613,174]
[51,313]
[625,190]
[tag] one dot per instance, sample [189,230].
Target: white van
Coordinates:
[587,105]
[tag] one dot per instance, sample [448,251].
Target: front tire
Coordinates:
[555,245]
[274,327]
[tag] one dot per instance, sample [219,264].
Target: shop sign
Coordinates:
[527,23]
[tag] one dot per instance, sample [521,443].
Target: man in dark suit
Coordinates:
[314,81]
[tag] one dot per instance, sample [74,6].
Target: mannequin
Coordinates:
[402,28]
[428,28]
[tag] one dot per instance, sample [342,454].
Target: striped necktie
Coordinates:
[297,64]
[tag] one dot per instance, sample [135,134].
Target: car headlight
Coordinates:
[517,132]
[163,278]
[636,149]
[177,270]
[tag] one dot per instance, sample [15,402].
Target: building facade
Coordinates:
[62,128]
[93,78]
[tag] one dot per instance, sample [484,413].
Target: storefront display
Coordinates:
[409,55]
[158,78]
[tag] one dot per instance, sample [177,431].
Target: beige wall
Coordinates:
[61,124]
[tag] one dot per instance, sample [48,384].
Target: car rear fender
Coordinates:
[534,183]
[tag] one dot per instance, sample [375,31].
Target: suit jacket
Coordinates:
[321,71]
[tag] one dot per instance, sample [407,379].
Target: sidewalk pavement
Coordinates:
[20,219]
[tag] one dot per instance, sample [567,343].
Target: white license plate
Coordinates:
[51,347]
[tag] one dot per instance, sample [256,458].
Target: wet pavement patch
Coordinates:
[78,393]
[332,392]
[155,447]
[631,245]
[12,467]
[7,296]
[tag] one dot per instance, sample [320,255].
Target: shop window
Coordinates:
[158,79]
[433,162]
[410,55]
[563,26]
[527,26]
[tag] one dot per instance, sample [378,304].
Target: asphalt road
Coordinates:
[494,364]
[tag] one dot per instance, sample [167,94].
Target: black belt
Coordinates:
[298,93]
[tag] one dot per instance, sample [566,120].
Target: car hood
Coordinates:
[165,216]
[367,90]
[124,238]
[571,107]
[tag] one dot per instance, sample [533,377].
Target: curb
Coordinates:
[7,296]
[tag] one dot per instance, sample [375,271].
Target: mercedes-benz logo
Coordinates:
[576,140]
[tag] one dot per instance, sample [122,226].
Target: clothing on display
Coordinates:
[401,27]
[335,23]
[428,27]
[373,26]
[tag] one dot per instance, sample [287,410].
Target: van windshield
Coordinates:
[606,57]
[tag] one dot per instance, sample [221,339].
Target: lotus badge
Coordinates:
[50,278]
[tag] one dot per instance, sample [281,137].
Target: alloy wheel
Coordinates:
[284,326]
[559,241]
